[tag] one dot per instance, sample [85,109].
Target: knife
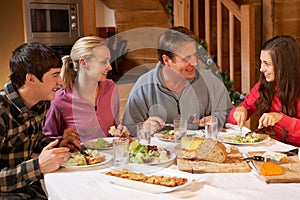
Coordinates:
[261,158]
[290,152]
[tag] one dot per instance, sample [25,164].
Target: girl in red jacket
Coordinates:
[276,97]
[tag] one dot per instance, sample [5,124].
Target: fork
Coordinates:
[241,131]
[82,151]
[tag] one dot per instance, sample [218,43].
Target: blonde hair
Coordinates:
[82,48]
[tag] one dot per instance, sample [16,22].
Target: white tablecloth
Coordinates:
[69,184]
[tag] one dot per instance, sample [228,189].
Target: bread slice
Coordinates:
[211,150]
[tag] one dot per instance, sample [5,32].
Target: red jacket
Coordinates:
[291,124]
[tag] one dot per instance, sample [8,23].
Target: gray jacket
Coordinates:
[202,96]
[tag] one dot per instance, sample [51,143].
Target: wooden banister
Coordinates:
[207,24]
[248,47]
[233,7]
[245,15]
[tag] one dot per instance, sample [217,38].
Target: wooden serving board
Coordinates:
[291,170]
[233,163]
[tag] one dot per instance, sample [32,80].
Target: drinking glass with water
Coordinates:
[121,151]
[211,127]
[180,128]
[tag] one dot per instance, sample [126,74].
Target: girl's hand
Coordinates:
[269,119]
[240,115]
[123,131]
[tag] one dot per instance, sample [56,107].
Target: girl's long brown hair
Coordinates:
[285,55]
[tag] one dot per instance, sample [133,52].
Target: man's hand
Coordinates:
[269,119]
[51,158]
[70,139]
[156,123]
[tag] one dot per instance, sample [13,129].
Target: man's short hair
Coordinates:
[170,41]
[34,58]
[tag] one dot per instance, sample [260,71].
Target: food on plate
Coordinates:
[168,134]
[280,157]
[139,153]
[249,138]
[78,159]
[270,169]
[191,143]
[208,150]
[153,179]
[101,143]
[112,130]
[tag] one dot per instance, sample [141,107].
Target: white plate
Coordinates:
[171,158]
[230,139]
[91,144]
[160,137]
[150,170]
[193,133]
[108,157]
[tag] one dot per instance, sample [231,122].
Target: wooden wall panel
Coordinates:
[286,18]
[287,9]
[133,4]
[11,35]
[287,26]
[141,17]
[89,17]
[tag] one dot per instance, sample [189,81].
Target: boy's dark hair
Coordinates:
[34,58]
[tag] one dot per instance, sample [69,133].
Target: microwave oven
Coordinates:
[52,22]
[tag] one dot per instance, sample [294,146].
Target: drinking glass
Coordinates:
[180,128]
[121,151]
[144,133]
[211,127]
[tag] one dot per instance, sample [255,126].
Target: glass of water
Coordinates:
[143,133]
[180,128]
[211,127]
[121,151]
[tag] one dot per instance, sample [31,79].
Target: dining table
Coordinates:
[89,183]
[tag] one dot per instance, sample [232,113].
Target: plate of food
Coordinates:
[149,179]
[168,135]
[249,139]
[99,143]
[149,154]
[95,158]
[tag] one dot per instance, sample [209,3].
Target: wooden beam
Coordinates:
[248,47]
[219,34]
[231,46]
[207,25]
[196,17]
[182,13]
[267,20]
[89,17]
[231,5]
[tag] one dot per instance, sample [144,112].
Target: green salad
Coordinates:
[101,143]
[78,159]
[250,138]
[148,154]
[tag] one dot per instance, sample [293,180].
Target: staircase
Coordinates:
[139,15]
